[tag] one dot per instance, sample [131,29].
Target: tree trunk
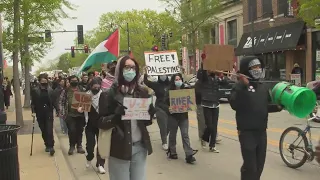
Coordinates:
[26,58]
[16,82]
[194,49]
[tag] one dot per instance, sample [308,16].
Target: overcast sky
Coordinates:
[87,14]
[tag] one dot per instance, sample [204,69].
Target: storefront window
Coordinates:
[275,66]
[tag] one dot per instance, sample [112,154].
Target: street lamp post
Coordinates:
[271,24]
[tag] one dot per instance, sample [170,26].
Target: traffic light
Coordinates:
[155,48]
[181,52]
[80,34]
[170,34]
[72,52]
[163,42]
[47,35]
[86,48]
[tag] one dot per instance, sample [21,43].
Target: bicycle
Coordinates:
[307,149]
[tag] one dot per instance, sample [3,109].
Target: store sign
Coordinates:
[264,40]
[296,78]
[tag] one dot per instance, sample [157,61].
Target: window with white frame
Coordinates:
[232,32]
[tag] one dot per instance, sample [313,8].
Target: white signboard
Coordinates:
[296,78]
[137,108]
[162,63]
[318,55]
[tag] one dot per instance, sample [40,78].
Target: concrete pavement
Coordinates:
[222,166]
[40,165]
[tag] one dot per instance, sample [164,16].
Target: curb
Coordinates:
[63,167]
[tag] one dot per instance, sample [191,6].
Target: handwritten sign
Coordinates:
[81,99]
[162,63]
[296,78]
[182,101]
[137,108]
[218,57]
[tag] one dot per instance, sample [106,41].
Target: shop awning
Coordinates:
[272,39]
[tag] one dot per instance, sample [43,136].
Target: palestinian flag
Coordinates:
[107,51]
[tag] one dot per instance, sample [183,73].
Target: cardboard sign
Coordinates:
[218,57]
[296,78]
[81,99]
[137,108]
[162,63]
[182,101]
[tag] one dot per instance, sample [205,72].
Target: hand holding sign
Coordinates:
[162,63]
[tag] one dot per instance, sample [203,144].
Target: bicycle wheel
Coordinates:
[292,147]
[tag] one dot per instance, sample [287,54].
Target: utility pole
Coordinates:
[3,115]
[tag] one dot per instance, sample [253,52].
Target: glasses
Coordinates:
[127,67]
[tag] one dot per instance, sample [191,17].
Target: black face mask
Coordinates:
[95,91]
[45,85]
[112,70]
[74,84]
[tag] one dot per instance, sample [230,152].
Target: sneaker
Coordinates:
[47,149]
[203,144]
[214,149]
[52,151]
[165,147]
[88,164]
[190,159]
[80,150]
[101,170]
[71,150]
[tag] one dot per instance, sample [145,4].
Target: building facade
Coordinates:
[223,28]
[280,46]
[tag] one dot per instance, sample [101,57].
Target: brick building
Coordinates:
[287,42]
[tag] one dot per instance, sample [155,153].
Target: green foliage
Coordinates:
[145,28]
[309,10]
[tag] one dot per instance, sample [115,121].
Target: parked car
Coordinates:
[225,90]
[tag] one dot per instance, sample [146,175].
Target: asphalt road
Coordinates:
[222,166]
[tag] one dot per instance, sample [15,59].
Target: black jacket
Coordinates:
[93,118]
[121,140]
[252,107]
[36,100]
[209,86]
[160,89]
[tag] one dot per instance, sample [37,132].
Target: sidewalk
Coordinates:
[39,166]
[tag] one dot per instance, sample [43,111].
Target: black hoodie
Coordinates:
[251,108]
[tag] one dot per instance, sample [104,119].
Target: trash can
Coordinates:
[9,161]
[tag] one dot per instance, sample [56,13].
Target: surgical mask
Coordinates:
[178,83]
[129,75]
[256,73]
[162,78]
[73,84]
[95,91]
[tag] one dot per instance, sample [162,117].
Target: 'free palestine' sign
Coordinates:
[162,63]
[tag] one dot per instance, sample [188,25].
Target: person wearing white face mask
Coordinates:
[179,120]
[160,88]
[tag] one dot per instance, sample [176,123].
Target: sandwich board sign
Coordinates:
[162,63]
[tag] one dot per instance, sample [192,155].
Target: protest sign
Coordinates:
[296,78]
[182,100]
[137,108]
[218,57]
[81,99]
[162,63]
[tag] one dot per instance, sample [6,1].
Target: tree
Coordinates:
[145,28]
[309,10]
[192,15]
[16,81]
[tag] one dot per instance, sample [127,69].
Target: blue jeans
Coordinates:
[129,170]
[63,125]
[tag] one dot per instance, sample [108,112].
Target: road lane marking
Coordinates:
[273,130]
